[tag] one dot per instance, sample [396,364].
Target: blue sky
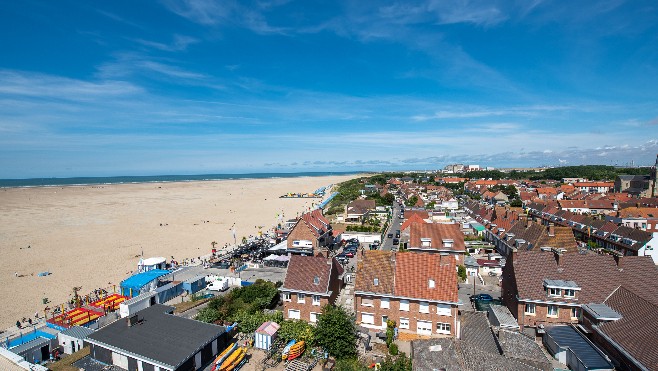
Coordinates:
[204,86]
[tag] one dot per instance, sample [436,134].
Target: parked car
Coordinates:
[397,234]
[481,297]
[396,241]
[390,235]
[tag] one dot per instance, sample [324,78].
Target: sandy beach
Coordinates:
[93,236]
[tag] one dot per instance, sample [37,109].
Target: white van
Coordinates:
[302,244]
[221,284]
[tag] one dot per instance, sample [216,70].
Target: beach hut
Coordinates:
[265,334]
[194,284]
[72,340]
[141,282]
[169,291]
[150,264]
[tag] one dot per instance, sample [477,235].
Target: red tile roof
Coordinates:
[437,233]
[414,271]
[373,265]
[302,271]
[316,222]
[415,218]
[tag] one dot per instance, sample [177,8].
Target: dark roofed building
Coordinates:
[154,338]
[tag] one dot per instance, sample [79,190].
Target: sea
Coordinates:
[80,181]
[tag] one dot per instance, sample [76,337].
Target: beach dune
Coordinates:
[93,236]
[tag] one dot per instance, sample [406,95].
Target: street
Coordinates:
[466,290]
[396,223]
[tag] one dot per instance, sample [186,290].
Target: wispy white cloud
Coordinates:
[179,43]
[224,13]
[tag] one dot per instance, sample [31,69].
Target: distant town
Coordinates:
[462,268]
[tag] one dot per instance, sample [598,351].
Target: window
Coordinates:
[431,283]
[443,310]
[404,305]
[530,308]
[443,328]
[293,314]
[367,318]
[575,312]
[366,302]
[404,323]
[375,281]
[316,299]
[385,303]
[286,296]
[553,310]
[424,307]
[384,322]
[569,293]
[553,291]
[314,317]
[301,298]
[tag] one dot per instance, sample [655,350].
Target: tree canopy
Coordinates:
[336,332]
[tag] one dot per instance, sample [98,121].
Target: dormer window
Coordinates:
[569,293]
[426,242]
[431,283]
[552,291]
[448,242]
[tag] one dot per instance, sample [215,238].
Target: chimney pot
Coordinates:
[551,229]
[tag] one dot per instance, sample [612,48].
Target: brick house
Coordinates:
[311,282]
[548,287]
[311,232]
[417,291]
[436,238]
[357,210]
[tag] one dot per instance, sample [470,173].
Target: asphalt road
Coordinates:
[395,225]
[466,290]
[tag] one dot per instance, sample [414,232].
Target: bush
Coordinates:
[393,349]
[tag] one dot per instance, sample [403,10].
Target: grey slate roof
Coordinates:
[476,331]
[434,354]
[568,337]
[523,348]
[503,315]
[36,343]
[601,311]
[159,337]
[78,332]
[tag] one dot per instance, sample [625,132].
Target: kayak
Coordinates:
[234,359]
[284,353]
[296,350]
[223,355]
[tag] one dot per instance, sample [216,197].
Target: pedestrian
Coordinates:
[29,321]
[18,324]
[16,274]
[36,315]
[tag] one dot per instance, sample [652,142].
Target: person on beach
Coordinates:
[18,324]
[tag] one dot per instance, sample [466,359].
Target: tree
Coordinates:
[336,332]
[401,363]
[297,330]
[516,203]
[411,201]
[461,272]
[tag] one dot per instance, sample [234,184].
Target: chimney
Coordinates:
[528,222]
[551,230]
[617,259]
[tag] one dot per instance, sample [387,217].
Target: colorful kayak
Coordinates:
[234,359]
[296,350]
[223,355]
[284,353]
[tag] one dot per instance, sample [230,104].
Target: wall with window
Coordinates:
[406,314]
[546,313]
[304,303]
